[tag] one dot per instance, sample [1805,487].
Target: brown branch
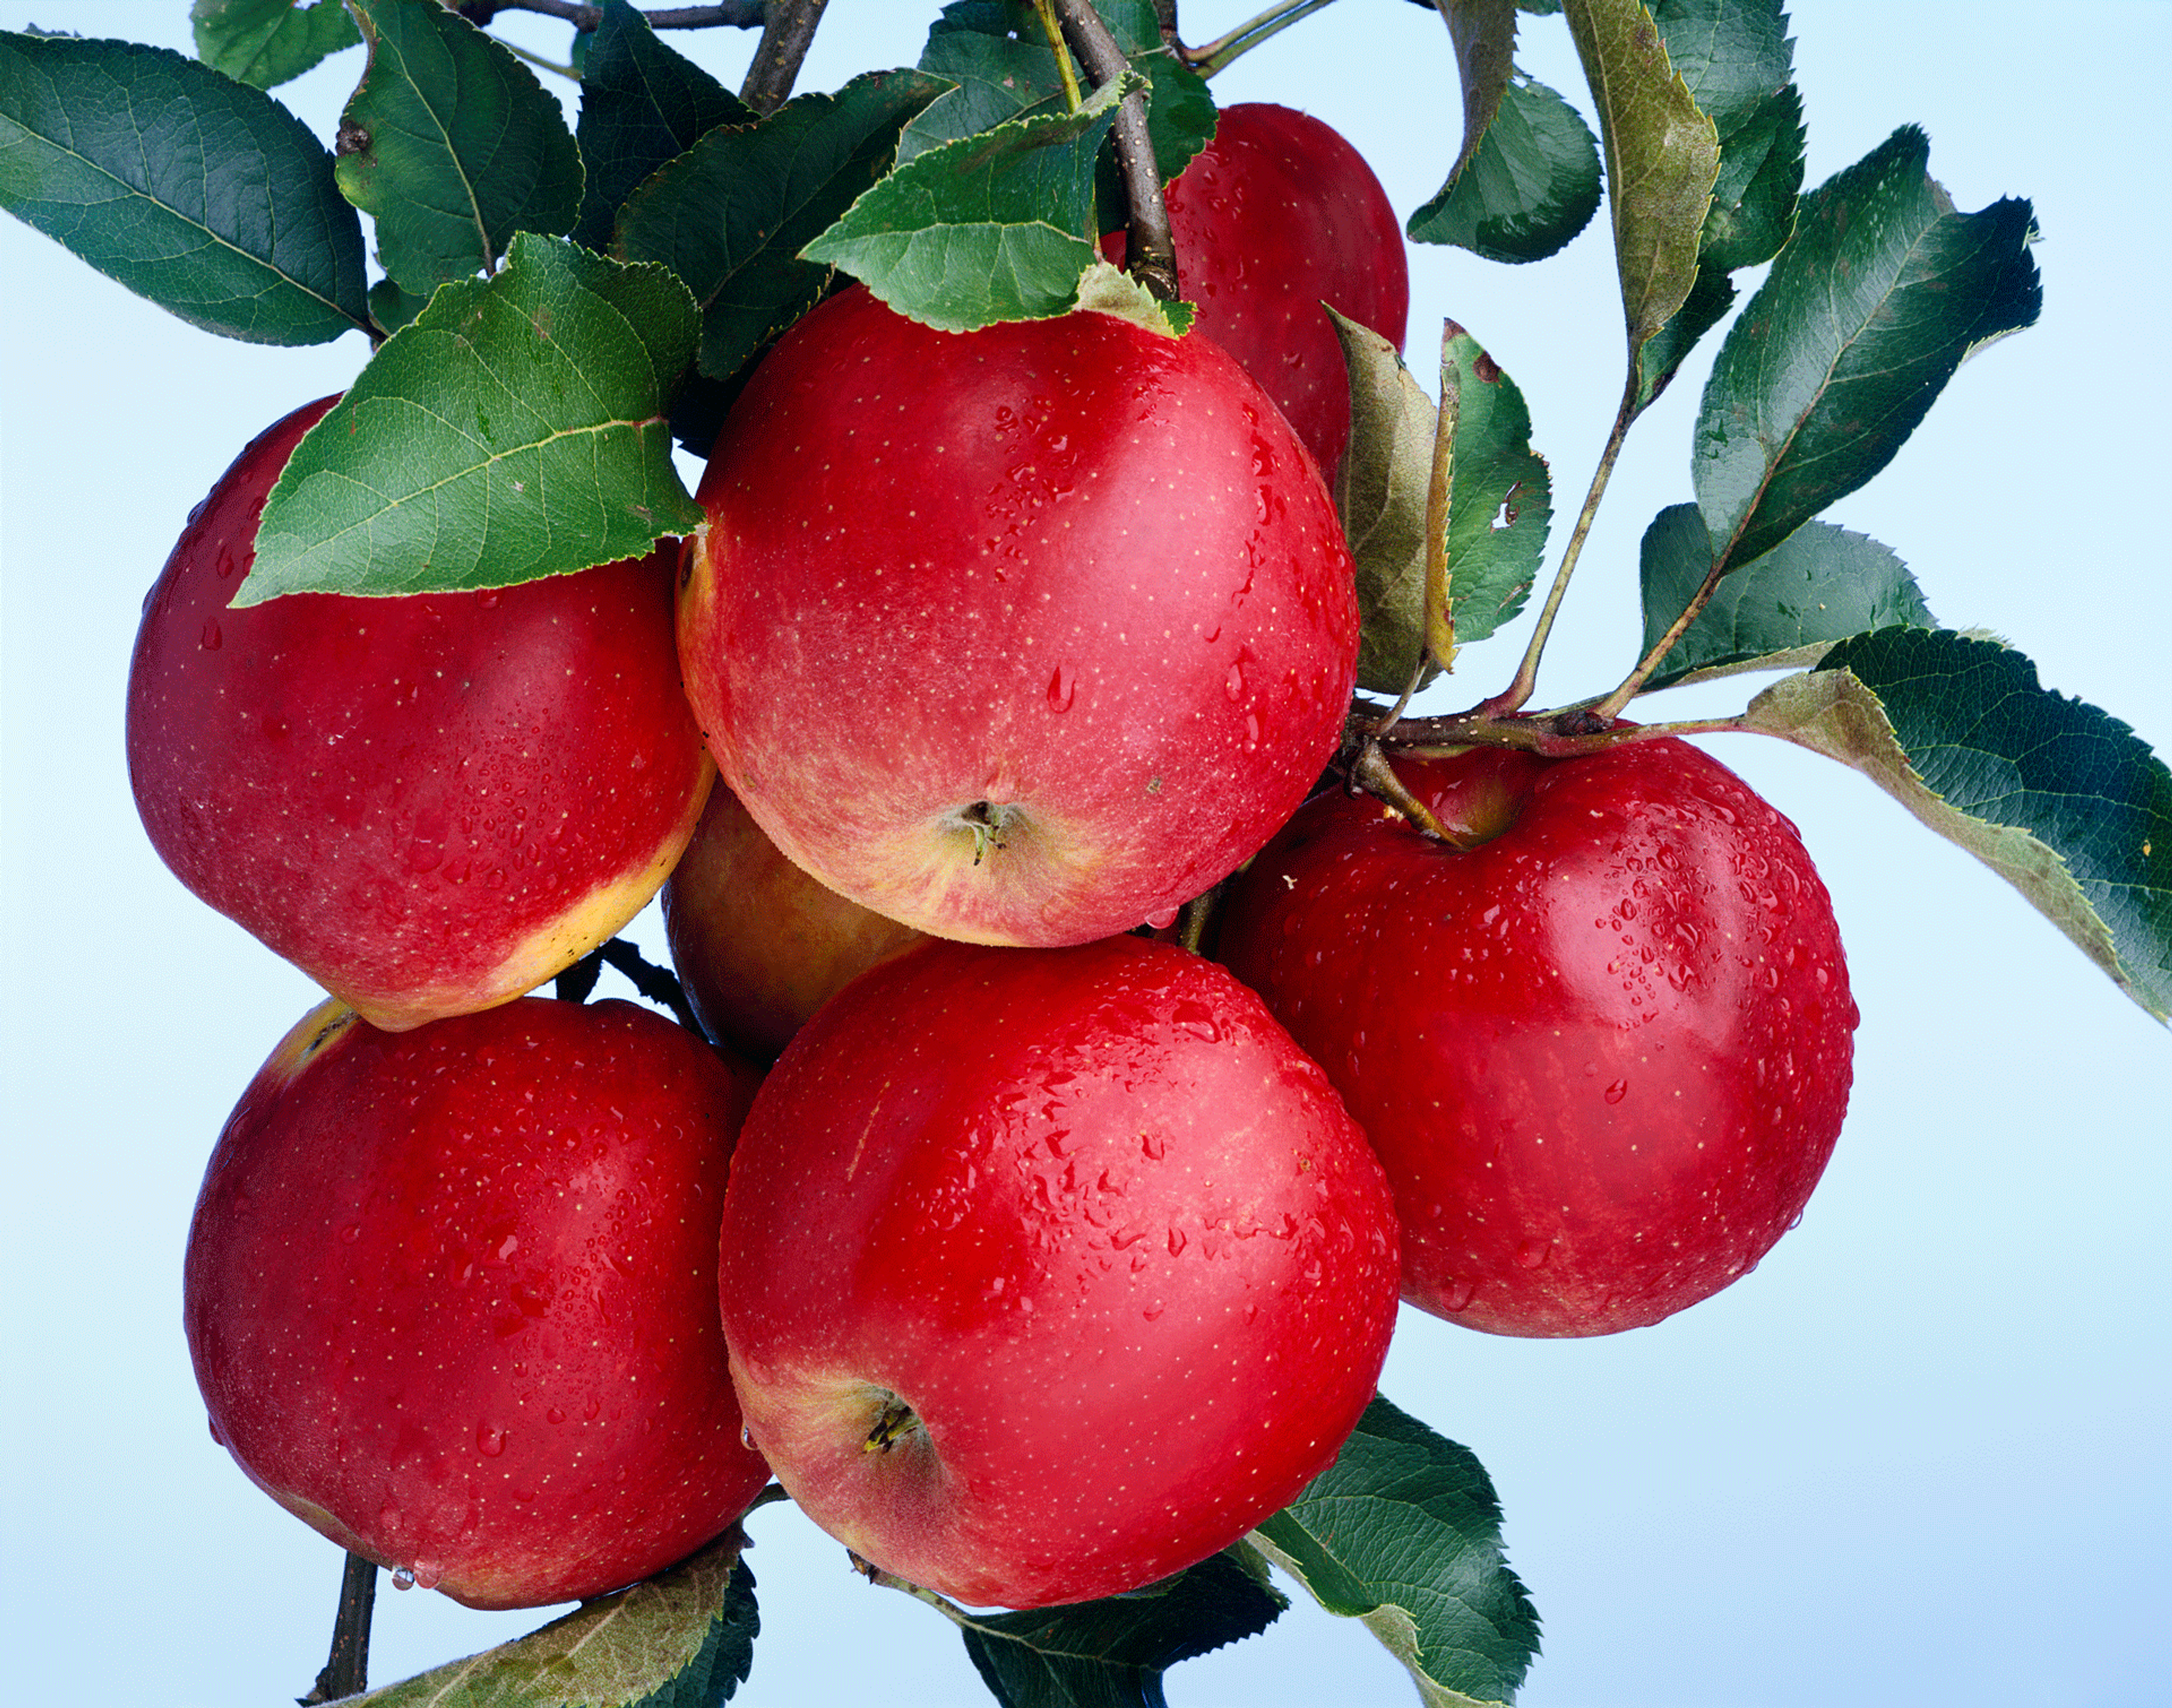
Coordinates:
[787,31]
[730,14]
[1152,256]
[347,1671]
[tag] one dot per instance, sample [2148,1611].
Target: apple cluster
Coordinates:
[1037,1257]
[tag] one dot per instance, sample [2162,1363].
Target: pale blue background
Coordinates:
[1918,1458]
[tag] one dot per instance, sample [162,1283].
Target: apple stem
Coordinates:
[1553,735]
[1518,694]
[347,1670]
[787,31]
[1151,254]
[1197,917]
[1246,36]
[1372,774]
[1633,684]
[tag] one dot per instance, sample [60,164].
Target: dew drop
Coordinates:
[1458,1296]
[1533,1252]
[350,1234]
[426,1574]
[1162,918]
[1063,687]
[1234,683]
[225,561]
[746,1438]
[1617,1090]
[403,1577]
[212,637]
[489,1443]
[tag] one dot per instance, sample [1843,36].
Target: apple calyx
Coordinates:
[986,821]
[895,1420]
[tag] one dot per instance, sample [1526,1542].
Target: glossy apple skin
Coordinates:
[1275,215]
[451,1294]
[430,804]
[759,945]
[1095,1218]
[1604,1055]
[1070,575]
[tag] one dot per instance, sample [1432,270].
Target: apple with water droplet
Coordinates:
[1018,636]
[1604,1048]
[450,1294]
[1049,1273]
[429,803]
[759,945]
[1278,214]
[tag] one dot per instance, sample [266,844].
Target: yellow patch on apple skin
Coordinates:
[596,918]
[311,1034]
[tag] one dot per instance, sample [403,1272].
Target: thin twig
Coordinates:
[787,31]
[347,1671]
[1045,11]
[730,14]
[1518,694]
[1220,51]
[1152,257]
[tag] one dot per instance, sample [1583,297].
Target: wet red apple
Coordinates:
[1603,1049]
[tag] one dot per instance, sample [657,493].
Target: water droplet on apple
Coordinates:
[225,560]
[426,1574]
[1458,1295]
[1154,1311]
[1162,918]
[489,1443]
[403,1577]
[554,1415]
[212,637]
[350,1234]
[212,1423]
[746,1438]
[1617,1090]
[1533,1252]
[1234,683]
[1062,686]
[1176,1241]
[1251,731]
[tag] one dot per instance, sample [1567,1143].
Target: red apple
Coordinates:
[429,804]
[1020,636]
[1604,1051]
[1048,1273]
[451,1294]
[759,945]
[1277,215]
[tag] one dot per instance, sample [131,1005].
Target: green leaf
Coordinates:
[731,215]
[1484,36]
[1112,1653]
[266,42]
[2060,799]
[642,103]
[993,227]
[1500,500]
[1532,185]
[998,56]
[684,1638]
[203,194]
[515,429]
[1734,57]
[452,145]
[1403,1532]
[1820,585]
[1879,296]
[1662,159]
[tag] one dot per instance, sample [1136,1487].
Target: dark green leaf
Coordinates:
[994,226]
[1662,159]
[731,216]
[1879,296]
[998,56]
[1661,358]
[1404,1532]
[1484,33]
[266,42]
[2062,800]
[1533,184]
[1112,1653]
[1820,585]
[515,429]
[452,145]
[198,193]
[684,1639]
[642,103]
[392,308]
[1735,59]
